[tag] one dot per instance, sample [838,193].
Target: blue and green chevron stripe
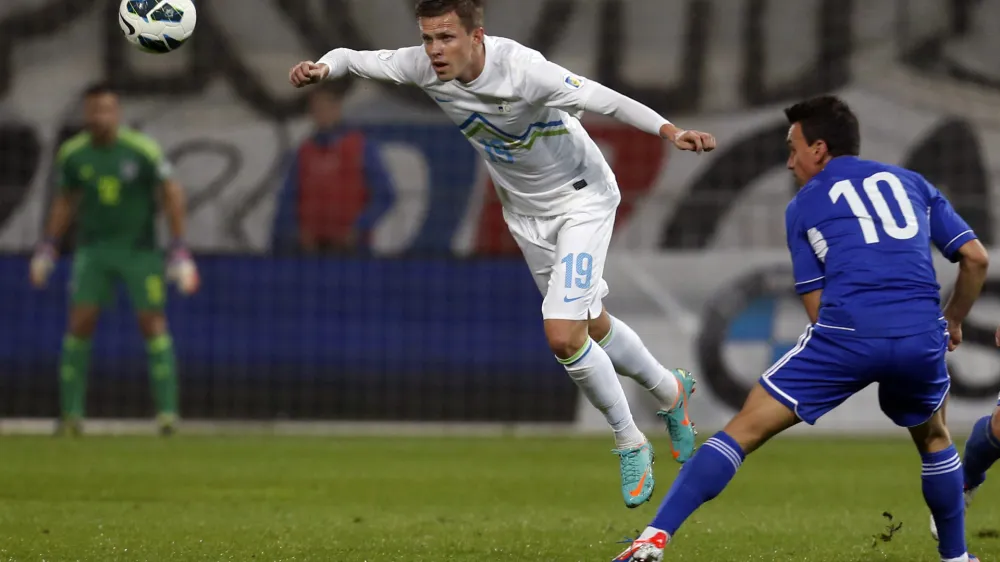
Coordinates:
[477,124]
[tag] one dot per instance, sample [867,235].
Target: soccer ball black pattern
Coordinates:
[140,7]
[157,26]
[164,45]
[167,13]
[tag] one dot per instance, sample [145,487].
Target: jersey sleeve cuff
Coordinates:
[950,249]
[810,285]
[337,61]
[329,67]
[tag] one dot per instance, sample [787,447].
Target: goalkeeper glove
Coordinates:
[181,269]
[43,262]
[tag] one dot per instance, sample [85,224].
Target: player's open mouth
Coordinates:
[440,65]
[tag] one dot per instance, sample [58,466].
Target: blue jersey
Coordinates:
[861,231]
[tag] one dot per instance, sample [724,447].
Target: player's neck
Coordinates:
[476,66]
[819,170]
[826,162]
[104,139]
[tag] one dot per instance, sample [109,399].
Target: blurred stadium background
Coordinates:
[435,318]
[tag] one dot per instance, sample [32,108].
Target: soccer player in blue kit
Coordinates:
[859,233]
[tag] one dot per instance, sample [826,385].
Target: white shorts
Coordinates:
[566,255]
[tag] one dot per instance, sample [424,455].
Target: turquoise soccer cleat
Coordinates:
[679,425]
[637,474]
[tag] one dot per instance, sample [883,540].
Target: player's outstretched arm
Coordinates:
[552,85]
[972,266]
[402,66]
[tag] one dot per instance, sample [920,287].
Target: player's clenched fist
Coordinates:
[695,141]
[306,73]
[954,336]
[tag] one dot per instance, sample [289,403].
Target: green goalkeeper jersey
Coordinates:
[118,185]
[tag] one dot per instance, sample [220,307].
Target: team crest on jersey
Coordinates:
[129,170]
[386,55]
[504,107]
[573,82]
[86,172]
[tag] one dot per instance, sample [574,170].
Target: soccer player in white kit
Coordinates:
[521,112]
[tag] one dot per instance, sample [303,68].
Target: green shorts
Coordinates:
[97,272]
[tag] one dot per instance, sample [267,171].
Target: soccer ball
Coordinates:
[157,26]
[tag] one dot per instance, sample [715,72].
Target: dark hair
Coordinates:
[98,89]
[470,12]
[829,119]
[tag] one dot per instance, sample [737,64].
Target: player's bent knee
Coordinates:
[761,418]
[600,327]
[152,324]
[83,321]
[995,423]
[932,436]
[566,337]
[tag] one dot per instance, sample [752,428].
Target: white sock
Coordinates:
[592,371]
[631,359]
[962,558]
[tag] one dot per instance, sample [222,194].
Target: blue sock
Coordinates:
[981,451]
[700,480]
[942,485]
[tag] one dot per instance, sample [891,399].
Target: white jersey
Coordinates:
[522,114]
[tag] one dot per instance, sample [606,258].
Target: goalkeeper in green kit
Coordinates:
[114,180]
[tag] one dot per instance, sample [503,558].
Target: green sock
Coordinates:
[163,375]
[73,366]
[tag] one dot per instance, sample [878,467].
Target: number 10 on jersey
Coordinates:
[847,190]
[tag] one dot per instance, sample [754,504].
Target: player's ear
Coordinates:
[478,35]
[820,150]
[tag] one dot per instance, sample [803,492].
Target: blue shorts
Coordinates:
[827,367]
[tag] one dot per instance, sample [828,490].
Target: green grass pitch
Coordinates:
[446,499]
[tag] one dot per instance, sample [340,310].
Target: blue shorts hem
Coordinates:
[906,423]
[772,389]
